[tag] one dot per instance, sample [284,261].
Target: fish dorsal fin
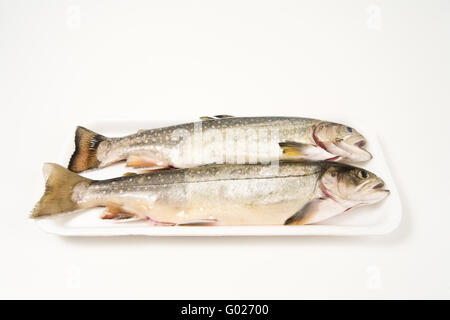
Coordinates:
[220,116]
[141,130]
[316,210]
[223,116]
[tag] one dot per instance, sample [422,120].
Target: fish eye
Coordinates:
[349,129]
[362,174]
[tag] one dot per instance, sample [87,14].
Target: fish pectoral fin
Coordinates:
[296,149]
[198,222]
[315,211]
[115,211]
[303,151]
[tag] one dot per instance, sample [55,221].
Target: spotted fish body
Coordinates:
[219,194]
[232,195]
[217,140]
[169,146]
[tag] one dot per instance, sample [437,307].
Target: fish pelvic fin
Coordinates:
[115,211]
[199,222]
[315,211]
[140,162]
[58,193]
[85,154]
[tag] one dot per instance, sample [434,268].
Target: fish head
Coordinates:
[352,186]
[344,142]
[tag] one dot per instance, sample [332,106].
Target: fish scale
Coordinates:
[287,193]
[242,140]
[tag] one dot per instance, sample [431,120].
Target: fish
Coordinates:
[222,139]
[290,193]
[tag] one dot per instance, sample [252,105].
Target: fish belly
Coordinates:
[242,202]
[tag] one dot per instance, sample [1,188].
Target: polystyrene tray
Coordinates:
[377,219]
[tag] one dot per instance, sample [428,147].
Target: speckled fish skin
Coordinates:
[160,146]
[230,194]
[237,194]
[164,147]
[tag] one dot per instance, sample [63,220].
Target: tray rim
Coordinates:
[48,224]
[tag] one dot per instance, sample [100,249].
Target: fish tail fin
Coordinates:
[59,188]
[85,154]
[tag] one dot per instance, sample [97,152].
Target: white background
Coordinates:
[386,63]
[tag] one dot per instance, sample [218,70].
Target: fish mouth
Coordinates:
[360,143]
[348,148]
[361,153]
[379,185]
[355,150]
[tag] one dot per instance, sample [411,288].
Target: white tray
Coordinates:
[378,219]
